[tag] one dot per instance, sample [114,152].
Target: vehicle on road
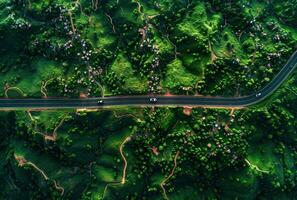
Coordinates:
[101,102]
[259,94]
[153,99]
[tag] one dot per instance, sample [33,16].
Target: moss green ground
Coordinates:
[187,51]
[85,157]
[253,157]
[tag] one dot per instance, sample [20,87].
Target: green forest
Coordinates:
[97,48]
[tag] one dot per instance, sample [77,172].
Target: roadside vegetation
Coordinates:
[152,153]
[91,48]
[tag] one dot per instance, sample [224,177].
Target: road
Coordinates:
[178,100]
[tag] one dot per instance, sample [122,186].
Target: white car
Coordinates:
[259,94]
[153,100]
[101,101]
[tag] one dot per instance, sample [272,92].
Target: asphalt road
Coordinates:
[207,101]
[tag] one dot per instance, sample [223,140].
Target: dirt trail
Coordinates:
[13,88]
[139,10]
[59,187]
[232,112]
[30,115]
[101,88]
[163,183]
[213,54]
[95,4]
[124,115]
[53,137]
[43,89]
[29,4]
[127,139]
[175,47]
[90,167]
[71,21]
[255,167]
[22,161]
[111,22]
[124,159]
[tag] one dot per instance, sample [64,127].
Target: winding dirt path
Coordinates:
[139,10]
[122,182]
[163,183]
[13,88]
[124,159]
[30,115]
[108,185]
[95,4]
[22,161]
[175,47]
[43,89]
[58,187]
[71,21]
[124,115]
[29,4]
[255,167]
[90,167]
[111,22]
[53,137]
[213,54]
